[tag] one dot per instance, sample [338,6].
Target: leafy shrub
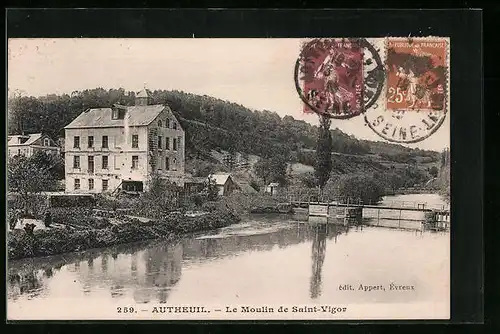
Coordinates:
[73,201]
[209,206]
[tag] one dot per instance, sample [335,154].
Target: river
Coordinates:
[264,260]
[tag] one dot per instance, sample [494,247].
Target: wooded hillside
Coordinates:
[210,124]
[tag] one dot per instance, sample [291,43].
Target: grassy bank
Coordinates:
[62,240]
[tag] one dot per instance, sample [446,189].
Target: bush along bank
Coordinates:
[59,240]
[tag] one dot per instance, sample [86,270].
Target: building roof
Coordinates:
[143,93]
[195,179]
[220,179]
[246,187]
[30,139]
[101,117]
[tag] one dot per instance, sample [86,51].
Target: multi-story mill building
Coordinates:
[119,148]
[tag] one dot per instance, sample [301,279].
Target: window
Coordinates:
[91,184]
[174,164]
[174,144]
[167,123]
[135,161]
[167,143]
[160,124]
[46,142]
[179,142]
[159,143]
[18,151]
[76,162]
[77,184]
[104,141]
[117,162]
[104,185]
[91,164]
[76,142]
[114,114]
[174,125]
[91,141]
[135,141]
[167,163]
[105,162]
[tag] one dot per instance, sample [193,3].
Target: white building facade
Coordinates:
[119,148]
[28,145]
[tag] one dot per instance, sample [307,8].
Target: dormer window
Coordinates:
[160,124]
[46,142]
[118,111]
[174,126]
[115,113]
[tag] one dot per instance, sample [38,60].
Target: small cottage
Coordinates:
[224,182]
[28,145]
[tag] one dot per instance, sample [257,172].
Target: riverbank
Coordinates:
[55,241]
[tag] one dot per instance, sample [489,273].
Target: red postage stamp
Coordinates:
[329,77]
[416,74]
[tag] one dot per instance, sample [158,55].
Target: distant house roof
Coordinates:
[26,139]
[274,184]
[246,187]
[220,179]
[101,117]
[195,179]
[143,93]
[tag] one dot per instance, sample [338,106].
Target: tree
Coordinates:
[433,171]
[161,197]
[210,189]
[26,178]
[308,180]
[323,165]
[358,188]
[444,175]
[52,162]
[273,169]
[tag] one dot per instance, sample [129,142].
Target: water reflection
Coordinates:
[150,272]
[318,257]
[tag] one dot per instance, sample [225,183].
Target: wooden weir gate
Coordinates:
[434,218]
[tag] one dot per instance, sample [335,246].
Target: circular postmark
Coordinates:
[402,126]
[339,78]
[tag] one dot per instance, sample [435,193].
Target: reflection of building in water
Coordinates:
[163,269]
[149,271]
[318,257]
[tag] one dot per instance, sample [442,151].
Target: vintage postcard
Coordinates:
[229,179]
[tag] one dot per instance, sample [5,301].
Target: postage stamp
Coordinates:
[329,77]
[416,99]
[416,74]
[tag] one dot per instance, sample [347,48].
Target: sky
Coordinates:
[257,73]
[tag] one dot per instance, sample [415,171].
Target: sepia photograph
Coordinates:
[228,178]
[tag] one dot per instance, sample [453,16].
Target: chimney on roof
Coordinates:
[143,98]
